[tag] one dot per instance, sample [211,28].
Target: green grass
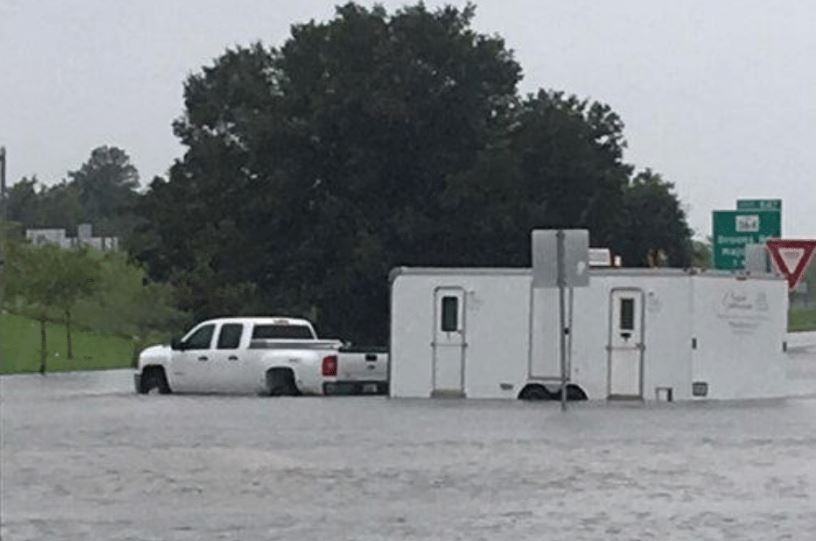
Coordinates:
[802,319]
[20,348]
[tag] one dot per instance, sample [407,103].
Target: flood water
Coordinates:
[83,457]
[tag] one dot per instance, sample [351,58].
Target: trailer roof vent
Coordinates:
[699,388]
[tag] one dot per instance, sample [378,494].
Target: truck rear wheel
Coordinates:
[154,379]
[281,382]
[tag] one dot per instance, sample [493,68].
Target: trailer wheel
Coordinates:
[574,393]
[535,392]
[154,378]
[281,382]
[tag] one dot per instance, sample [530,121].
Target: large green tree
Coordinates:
[365,142]
[106,186]
[558,164]
[655,231]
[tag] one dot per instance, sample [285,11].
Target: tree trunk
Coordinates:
[43,346]
[68,333]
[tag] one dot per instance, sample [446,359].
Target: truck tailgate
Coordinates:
[362,366]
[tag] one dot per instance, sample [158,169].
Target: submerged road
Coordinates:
[85,458]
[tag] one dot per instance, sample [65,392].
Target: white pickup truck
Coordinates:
[259,355]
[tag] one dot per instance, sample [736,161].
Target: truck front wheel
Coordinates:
[153,378]
[281,382]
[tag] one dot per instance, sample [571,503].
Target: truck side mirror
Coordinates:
[176,344]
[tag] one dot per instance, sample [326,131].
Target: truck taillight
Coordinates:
[330,365]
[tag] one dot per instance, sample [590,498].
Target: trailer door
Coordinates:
[625,345]
[449,342]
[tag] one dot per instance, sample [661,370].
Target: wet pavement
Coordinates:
[83,457]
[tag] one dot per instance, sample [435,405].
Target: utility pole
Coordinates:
[3,216]
[3,221]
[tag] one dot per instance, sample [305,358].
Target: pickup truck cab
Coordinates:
[246,355]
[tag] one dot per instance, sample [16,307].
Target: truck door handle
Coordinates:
[232,358]
[202,358]
[371,357]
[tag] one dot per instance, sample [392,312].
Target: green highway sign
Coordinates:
[733,229]
[759,204]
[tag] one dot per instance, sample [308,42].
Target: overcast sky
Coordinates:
[719,97]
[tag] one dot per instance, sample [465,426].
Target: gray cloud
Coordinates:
[719,97]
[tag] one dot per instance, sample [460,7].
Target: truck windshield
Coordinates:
[274,332]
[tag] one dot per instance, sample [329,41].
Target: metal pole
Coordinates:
[570,304]
[562,317]
[3,185]
[3,231]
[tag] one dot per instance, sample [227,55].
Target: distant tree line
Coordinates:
[366,142]
[103,191]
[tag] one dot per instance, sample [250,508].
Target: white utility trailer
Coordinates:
[635,333]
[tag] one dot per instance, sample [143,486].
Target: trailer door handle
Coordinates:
[202,358]
[232,358]
[371,357]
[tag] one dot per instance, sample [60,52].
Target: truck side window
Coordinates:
[230,335]
[201,339]
[450,314]
[627,314]
[281,332]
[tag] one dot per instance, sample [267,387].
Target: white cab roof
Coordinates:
[261,320]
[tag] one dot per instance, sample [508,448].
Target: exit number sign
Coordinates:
[759,204]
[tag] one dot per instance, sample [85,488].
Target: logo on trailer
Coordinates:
[791,258]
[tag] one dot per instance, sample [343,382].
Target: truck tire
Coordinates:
[281,382]
[153,377]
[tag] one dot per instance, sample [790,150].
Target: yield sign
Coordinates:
[791,257]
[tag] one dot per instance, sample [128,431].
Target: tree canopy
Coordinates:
[102,192]
[374,140]
[654,223]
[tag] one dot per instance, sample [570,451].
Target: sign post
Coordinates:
[791,258]
[734,229]
[562,319]
[569,268]
[3,233]
[756,259]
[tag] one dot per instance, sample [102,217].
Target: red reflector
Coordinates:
[329,367]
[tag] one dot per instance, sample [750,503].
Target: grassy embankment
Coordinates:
[20,348]
[802,319]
